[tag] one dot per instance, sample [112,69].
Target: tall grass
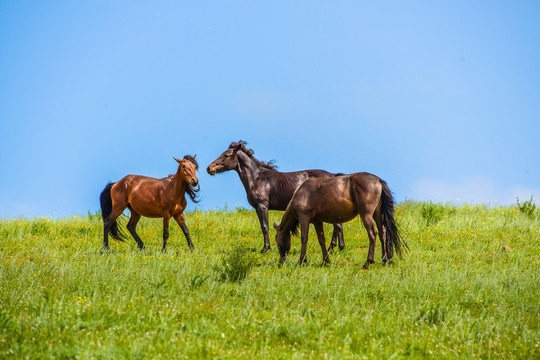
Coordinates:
[456,294]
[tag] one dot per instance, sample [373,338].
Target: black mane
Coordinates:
[191,191]
[249,152]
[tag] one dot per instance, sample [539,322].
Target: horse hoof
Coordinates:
[265,249]
[341,247]
[366,266]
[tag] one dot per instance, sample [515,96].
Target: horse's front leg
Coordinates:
[322,241]
[262,213]
[304,231]
[165,233]
[182,223]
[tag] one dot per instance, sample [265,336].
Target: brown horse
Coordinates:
[337,200]
[149,197]
[267,188]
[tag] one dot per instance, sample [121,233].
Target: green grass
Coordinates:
[456,294]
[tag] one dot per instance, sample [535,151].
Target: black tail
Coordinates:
[393,234]
[105,201]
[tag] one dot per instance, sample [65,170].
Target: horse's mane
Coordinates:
[249,152]
[294,228]
[191,191]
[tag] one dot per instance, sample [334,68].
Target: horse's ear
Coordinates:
[178,161]
[276,226]
[194,156]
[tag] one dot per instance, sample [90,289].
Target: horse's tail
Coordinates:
[393,234]
[105,201]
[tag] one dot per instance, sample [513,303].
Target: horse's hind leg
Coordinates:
[105,237]
[132,226]
[182,222]
[372,234]
[110,222]
[337,235]
[382,233]
[322,241]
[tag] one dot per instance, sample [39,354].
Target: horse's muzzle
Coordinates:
[194,183]
[210,171]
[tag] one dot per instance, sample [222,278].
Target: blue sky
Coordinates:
[440,99]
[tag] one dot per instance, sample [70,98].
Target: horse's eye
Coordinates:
[183,166]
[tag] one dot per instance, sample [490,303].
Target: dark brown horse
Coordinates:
[149,197]
[267,188]
[338,200]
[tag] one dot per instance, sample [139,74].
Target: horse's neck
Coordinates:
[248,170]
[288,220]
[178,185]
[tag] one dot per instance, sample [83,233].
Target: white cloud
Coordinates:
[472,191]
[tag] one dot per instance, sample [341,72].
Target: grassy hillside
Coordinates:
[456,294]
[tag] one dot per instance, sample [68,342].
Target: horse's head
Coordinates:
[283,241]
[228,160]
[187,169]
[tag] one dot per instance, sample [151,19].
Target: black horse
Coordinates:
[267,188]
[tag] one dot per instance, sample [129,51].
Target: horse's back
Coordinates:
[135,182]
[319,173]
[338,199]
[325,199]
[141,193]
[365,181]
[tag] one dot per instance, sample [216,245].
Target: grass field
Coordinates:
[456,294]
